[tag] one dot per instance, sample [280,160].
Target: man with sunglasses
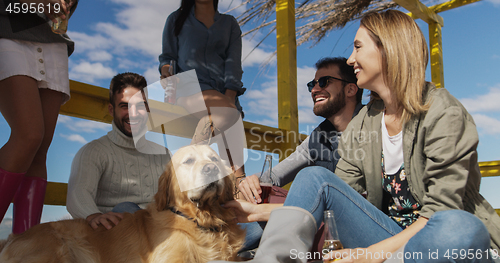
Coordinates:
[337,98]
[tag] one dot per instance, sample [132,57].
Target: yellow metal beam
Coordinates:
[436,50]
[288,117]
[490,168]
[429,15]
[419,10]
[450,5]
[87,102]
[91,103]
[435,22]
[56,194]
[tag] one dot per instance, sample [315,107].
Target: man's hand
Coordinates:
[250,189]
[97,219]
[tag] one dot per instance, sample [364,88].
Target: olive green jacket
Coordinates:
[440,158]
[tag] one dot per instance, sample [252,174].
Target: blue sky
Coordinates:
[114,36]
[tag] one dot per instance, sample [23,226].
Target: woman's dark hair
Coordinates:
[184,10]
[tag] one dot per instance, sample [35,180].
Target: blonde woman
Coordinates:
[407,185]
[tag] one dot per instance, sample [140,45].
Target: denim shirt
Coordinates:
[215,52]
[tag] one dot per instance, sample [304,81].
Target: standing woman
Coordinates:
[198,37]
[411,151]
[33,85]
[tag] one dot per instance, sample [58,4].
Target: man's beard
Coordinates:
[330,108]
[120,124]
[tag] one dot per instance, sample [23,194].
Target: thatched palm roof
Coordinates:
[315,18]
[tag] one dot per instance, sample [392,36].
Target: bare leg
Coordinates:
[51,103]
[21,107]
[222,114]
[28,202]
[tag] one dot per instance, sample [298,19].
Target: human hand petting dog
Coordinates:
[249,212]
[97,219]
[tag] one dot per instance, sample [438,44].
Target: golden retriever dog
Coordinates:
[179,226]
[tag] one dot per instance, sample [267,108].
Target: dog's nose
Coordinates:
[210,169]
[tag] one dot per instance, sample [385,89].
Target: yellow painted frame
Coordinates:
[288,116]
[435,22]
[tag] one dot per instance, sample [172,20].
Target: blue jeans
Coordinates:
[126,207]
[253,234]
[361,224]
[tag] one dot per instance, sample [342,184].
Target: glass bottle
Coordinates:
[266,183]
[332,241]
[170,92]
[61,26]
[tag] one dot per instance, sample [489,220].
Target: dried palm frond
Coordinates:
[315,17]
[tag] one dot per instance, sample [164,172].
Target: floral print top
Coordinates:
[403,208]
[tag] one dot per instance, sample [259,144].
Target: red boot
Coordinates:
[28,204]
[9,182]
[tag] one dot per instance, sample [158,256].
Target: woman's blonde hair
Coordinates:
[404,58]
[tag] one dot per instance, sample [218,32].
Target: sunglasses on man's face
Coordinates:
[323,82]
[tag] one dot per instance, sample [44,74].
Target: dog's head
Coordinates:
[196,177]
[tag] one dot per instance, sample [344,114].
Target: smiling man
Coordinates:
[337,98]
[109,176]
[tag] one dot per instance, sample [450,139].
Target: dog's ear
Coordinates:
[162,196]
[229,187]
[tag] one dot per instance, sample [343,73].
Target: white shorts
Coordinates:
[47,63]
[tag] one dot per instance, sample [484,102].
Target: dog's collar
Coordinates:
[213,229]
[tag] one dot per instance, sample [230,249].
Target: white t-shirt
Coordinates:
[392,148]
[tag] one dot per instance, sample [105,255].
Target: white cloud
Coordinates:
[254,57]
[139,25]
[152,75]
[135,38]
[484,103]
[487,124]
[99,55]
[482,106]
[74,138]
[89,72]
[85,42]
[80,125]
[263,102]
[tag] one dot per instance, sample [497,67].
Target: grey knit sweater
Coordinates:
[29,26]
[110,170]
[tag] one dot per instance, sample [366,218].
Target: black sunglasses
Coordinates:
[323,81]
